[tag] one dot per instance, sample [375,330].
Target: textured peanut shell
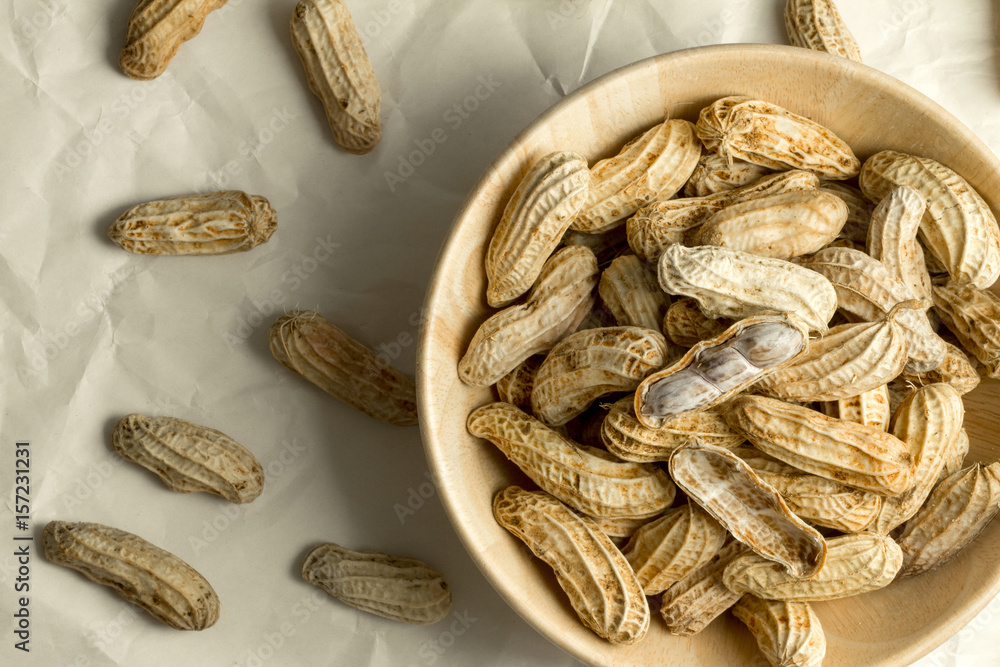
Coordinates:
[400,589]
[601,587]
[957,510]
[892,239]
[141,573]
[620,530]
[867,290]
[766,134]
[788,633]
[716,369]
[338,72]
[816,24]
[849,360]
[630,291]
[605,246]
[684,324]
[156,29]
[973,315]
[818,500]
[714,174]
[954,458]
[752,511]
[533,223]
[190,458]
[956,369]
[780,226]
[654,165]
[929,422]
[627,438]
[592,363]
[700,596]
[515,387]
[855,564]
[859,456]
[664,222]
[560,300]
[871,408]
[587,479]
[664,550]
[734,284]
[323,354]
[958,227]
[217,223]
[859,210]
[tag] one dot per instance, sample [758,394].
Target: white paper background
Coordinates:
[90,333]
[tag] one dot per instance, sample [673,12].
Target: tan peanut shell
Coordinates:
[780,226]
[892,239]
[654,165]
[338,72]
[515,387]
[818,500]
[956,370]
[620,530]
[958,509]
[849,360]
[630,291]
[601,587]
[871,408]
[714,174]
[788,633]
[766,134]
[734,284]
[928,421]
[592,363]
[954,459]
[605,246]
[859,456]
[323,354]
[533,223]
[561,299]
[216,223]
[973,315]
[625,436]
[859,210]
[587,479]
[752,511]
[156,29]
[855,564]
[684,324]
[190,458]
[664,550]
[958,227]
[141,573]
[868,291]
[816,24]
[400,589]
[664,222]
[700,596]
[716,369]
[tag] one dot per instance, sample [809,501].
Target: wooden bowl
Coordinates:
[870,110]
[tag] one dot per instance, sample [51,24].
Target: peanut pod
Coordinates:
[973,315]
[630,291]
[156,29]
[714,174]
[816,24]
[788,633]
[700,596]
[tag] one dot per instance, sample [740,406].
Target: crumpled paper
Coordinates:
[91,333]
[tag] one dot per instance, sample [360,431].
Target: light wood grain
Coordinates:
[872,111]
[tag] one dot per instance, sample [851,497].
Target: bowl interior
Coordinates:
[872,111]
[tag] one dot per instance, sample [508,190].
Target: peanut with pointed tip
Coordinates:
[892,239]
[973,315]
[156,29]
[816,24]
[629,289]
[788,633]
[715,174]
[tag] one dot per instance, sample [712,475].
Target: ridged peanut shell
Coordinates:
[664,550]
[216,223]
[684,324]
[400,589]
[156,29]
[973,315]
[771,136]
[871,408]
[958,227]
[338,72]
[515,387]
[142,573]
[601,587]
[588,480]
[323,354]
[859,210]
[788,633]
[859,456]
[892,239]
[560,300]
[752,511]
[592,363]
[714,173]
[956,369]
[816,24]
[606,246]
[533,223]
[630,291]
[954,459]
[855,564]
[654,165]
[700,596]
[190,458]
